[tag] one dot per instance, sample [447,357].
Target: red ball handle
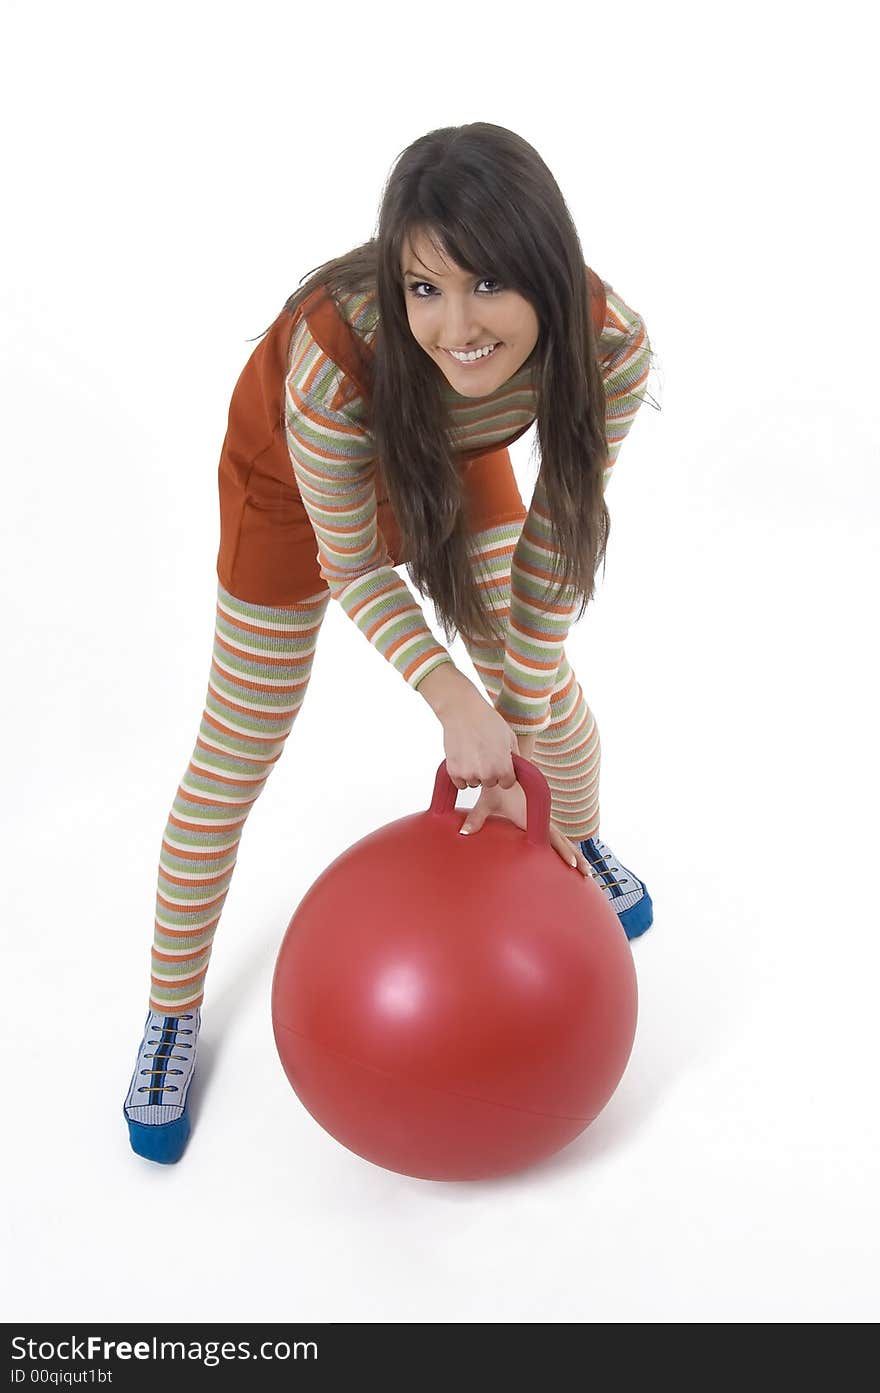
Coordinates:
[535,787]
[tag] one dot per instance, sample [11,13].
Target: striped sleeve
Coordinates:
[537,629]
[333,458]
[625,357]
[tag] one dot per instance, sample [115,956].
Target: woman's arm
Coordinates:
[625,358]
[624,355]
[332,457]
[527,745]
[443,687]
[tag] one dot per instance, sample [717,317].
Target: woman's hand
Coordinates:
[511,803]
[478,742]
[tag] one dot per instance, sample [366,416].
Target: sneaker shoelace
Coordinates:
[175,1045]
[602,874]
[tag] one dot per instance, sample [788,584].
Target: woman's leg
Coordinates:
[568,751]
[261,664]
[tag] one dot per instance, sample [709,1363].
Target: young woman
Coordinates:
[369,428]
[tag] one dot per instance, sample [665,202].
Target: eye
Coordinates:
[414,287]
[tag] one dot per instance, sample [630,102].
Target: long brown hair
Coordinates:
[485,198]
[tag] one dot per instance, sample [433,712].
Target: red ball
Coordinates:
[455,1008]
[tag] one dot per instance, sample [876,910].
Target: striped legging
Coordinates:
[260,669]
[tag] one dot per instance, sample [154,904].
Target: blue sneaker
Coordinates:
[156,1105]
[627,895]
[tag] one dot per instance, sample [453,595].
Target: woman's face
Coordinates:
[450,308]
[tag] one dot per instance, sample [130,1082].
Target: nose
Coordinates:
[459,327]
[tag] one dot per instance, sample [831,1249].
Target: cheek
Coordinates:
[420,326]
[514,328]
[524,325]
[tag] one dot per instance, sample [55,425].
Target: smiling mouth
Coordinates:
[472,361]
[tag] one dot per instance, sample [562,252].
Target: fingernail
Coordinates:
[464,831]
[573,861]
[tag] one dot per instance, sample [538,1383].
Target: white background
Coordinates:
[170,176]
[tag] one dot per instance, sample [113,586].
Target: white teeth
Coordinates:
[472,357]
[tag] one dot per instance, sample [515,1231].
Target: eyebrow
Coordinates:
[421,277]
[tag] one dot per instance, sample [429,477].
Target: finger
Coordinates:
[565,849]
[581,861]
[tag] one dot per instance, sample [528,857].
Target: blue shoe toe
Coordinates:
[164,1143]
[639,917]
